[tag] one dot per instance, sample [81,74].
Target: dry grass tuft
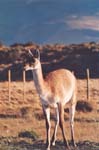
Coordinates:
[26,112]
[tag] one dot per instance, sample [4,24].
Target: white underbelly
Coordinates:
[53,101]
[49,102]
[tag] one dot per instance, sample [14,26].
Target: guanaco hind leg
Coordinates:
[61,123]
[72,113]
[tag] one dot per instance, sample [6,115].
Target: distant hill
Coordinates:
[76,57]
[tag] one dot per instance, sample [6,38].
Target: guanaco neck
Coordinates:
[39,80]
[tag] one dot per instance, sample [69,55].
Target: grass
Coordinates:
[25,117]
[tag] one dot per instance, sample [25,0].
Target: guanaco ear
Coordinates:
[38,54]
[30,53]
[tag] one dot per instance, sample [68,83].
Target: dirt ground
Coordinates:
[14,144]
[21,115]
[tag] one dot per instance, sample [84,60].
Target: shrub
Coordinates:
[84,106]
[29,134]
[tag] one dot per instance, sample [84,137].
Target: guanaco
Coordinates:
[55,90]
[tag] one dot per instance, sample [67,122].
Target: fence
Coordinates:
[9,85]
[24,81]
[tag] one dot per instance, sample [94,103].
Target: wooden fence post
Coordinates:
[88,87]
[24,80]
[9,84]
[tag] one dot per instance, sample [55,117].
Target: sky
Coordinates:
[49,21]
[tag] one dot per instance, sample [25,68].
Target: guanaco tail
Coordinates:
[57,89]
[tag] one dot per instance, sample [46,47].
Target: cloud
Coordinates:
[91,38]
[97,14]
[84,22]
[31,1]
[36,1]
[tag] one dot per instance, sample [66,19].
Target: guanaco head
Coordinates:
[32,60]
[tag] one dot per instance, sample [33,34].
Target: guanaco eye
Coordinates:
[31,60]
[31,64]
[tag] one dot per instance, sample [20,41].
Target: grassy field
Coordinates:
[24,117]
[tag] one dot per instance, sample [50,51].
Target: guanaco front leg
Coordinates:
[56,126]
[48,126]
